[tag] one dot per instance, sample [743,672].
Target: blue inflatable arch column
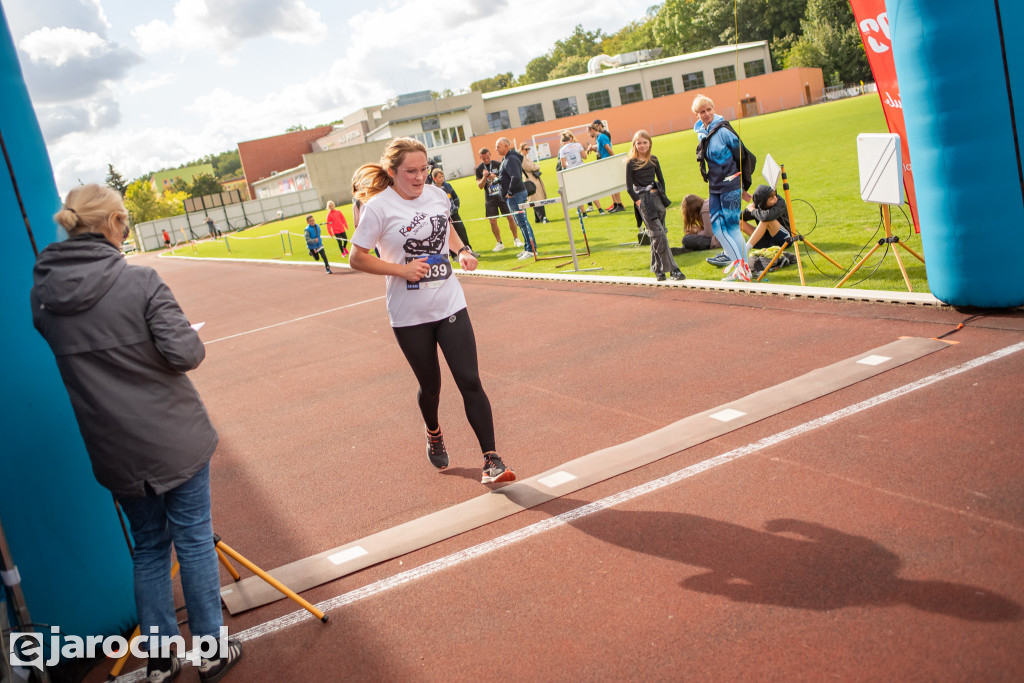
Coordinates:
[60,524]
[956,84]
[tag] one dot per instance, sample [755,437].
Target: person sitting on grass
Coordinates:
[315,242]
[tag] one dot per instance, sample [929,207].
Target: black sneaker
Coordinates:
[212,670]
[677,275]
[719,261]
[661,277]
[495,471]
[160,669]
[436,452]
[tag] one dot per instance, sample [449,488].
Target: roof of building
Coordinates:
[723,49]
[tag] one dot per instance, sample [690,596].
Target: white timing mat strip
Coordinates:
[574,475]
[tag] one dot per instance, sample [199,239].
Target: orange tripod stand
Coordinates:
[888,239]
[794,238]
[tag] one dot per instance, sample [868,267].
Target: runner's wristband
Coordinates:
[464,248]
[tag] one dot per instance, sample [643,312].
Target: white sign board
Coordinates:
[770,171]
[589,181]
[881,168]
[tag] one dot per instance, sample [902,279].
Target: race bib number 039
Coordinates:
[440,270]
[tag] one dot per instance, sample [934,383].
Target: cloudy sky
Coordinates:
[143,85]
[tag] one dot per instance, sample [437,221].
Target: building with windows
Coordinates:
[638,82]
[266,157]
[638,91]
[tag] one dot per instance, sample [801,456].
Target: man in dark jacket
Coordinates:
[510,176]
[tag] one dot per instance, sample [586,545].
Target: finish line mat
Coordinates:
[574,475]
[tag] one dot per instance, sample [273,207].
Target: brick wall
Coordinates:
[278,153]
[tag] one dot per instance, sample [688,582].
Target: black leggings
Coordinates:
[342,238]
[455,337]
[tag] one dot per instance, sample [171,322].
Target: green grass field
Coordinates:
[817,145]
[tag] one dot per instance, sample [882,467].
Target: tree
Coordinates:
[637,35]
[293,129]
[569,66]
[537,70]
[116,180]
[179,185]
[499,82]
[720,23]
[141,202]
[831,42]
[204,184]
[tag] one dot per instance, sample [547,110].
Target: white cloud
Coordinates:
[223,26]
[56,46]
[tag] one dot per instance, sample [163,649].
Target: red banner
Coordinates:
[873,23]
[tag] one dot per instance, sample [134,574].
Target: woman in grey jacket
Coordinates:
[123,346]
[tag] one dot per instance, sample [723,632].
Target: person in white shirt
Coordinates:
[570,154]
[409,220]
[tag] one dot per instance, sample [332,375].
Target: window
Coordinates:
[457,134]
[661,87]
[725,74]
[531,113]
[631,93]
[754,68]
[598,100]
[693,81]
[432,123]
[426,138]
[498,121]
[565,107]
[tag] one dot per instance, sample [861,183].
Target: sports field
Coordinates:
[816,144]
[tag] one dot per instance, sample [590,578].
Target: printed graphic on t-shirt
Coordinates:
[432,246]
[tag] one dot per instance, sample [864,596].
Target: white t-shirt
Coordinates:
[406,229]
[572,153]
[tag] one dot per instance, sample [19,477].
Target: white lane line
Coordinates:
[440,564]
[294,320]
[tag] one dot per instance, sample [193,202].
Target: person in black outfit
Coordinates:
[646,185]
[460,228]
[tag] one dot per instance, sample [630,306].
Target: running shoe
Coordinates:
[498,247]
[436,452]
[328,271]
[719,260]
[160,669]
[525,255]
[495,471]
[212,670]
[677,275]
[660,277]
[517,242]
[737,271]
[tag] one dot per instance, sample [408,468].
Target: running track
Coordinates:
[883,542]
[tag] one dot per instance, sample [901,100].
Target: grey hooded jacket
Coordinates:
[123,346]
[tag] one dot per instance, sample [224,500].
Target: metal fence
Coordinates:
[228,218]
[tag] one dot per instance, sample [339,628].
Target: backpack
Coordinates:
[746,162]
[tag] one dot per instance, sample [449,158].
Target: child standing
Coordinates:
[315,243]
[338,227]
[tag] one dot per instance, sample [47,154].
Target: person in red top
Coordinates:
[338,227]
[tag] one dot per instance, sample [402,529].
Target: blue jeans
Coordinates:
[180,516]
[520,217]
[725,223]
